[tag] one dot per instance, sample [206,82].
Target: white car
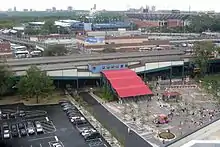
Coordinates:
[6,134]
[85,132]
[77,118]
[30,130]
[56,145]
[39,128]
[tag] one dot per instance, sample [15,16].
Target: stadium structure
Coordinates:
[158,19]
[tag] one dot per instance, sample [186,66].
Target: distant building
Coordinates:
[158,19]
[153,8]
[54,9]
[35,25]
[25,10]
[124,43]
[15,9]
[70,8]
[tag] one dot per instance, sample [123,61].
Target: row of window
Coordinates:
[112,66]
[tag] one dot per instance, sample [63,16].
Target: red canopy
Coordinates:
[126,83]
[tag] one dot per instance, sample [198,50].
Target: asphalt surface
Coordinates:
[58,126]
[113,124]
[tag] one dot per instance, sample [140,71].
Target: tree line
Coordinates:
[34,84]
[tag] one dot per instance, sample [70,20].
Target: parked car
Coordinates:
[88,131]
[23,132]
[66,104]
[56,145]
[5,126]
[4,116]
[21,125]
[30,128]
[22,113]
[6,134]
[14,133]
[63,101]
[78,120]
[38,126]
[13,127]
[91,136]
[12,115]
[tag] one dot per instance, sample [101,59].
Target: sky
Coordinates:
[206,5]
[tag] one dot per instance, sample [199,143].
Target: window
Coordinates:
[93,68]
[116,66]
[112,66]
[108,67]
[126,65]
[103,67]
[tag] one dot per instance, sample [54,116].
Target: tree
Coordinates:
[56,50]
[6,80]
[49,27]
[203,52]
[35,84]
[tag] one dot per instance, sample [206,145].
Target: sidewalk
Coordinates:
[104,132]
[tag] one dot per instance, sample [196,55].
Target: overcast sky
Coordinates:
[206,5]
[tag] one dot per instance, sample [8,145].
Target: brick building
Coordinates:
[146,20]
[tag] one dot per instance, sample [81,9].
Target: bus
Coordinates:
[22,54]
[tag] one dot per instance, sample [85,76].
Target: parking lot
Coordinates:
[42,126]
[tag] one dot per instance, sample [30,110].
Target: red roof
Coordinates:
[126,83]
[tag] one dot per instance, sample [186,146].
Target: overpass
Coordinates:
[110,57]
[22,41]
[81,69]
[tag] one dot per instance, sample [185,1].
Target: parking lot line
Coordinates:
[47,119]
[40,145]
[41,138]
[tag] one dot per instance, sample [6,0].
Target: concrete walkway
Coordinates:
[199,135]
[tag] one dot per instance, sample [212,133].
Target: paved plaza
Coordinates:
[195,109]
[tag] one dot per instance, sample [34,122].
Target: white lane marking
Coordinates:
[40,138]
[31,146]
[47,118]
[40,145]
[56,138]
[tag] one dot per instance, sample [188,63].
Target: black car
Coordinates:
[5,126]
[63,102]
[72,114]
[4,116]
[79,122]
[21,113]
[13,127]
[23,132]
[14,133]
[91,136]
[21,126]
[12,115]
[71,111]
[66,104]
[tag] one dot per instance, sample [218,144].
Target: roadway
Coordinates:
[73,65]
[91,57]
